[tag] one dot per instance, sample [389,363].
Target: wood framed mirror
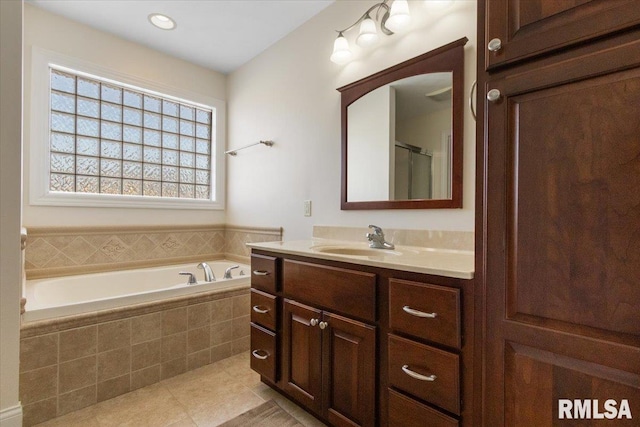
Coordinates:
[402,134]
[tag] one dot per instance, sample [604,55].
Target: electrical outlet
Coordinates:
[307,208]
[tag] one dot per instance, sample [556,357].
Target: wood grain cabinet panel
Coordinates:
[346,291]
[430,312]
[302,354]
[425,372]
[407,412]
[349,355]
[562,232]
[264,273]
[329,361]
[264,357]
[529,28]
[264,309]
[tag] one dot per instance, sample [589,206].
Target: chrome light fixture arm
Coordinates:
[380,6]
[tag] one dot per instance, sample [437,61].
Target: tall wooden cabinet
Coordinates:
[558,235]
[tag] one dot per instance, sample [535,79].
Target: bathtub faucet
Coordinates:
[192,278]
[208,273]
[227,272]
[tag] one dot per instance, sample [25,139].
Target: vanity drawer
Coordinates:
[263,309]
[263,352]
[264,272]
[406,412]
[425,372]
[425,311]
[346,291]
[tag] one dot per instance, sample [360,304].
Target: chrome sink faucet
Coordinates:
[376,239]
[208,273]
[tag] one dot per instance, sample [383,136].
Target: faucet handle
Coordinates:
[377,230]
[192,278]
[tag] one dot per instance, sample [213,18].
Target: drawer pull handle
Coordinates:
[260,272]
[257,309]
[257,355]
[419,313]
[416,375]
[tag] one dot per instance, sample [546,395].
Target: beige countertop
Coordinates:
[439,262]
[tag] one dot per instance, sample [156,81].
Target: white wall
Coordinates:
[10,193]
[58,34]
[288,94]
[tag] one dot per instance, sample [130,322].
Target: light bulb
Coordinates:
[399,16]
[368,34]
[341,52]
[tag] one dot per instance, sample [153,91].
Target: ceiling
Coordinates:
[217,34]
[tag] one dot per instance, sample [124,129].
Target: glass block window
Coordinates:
[107,138]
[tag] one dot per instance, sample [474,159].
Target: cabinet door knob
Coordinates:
[257,355]
[323,325]
[313,322]
[494,45]
[418,376]
[493,95]
[418,313]
[257,309]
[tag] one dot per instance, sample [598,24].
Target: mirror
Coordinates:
[402,130]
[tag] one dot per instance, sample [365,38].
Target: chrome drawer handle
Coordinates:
[257,355]
[260,272]
[416,375]
[419,313]
[257,309]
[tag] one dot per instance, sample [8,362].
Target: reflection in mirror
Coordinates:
[402,130]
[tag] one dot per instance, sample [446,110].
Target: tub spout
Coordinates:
[227,272]
[208,273]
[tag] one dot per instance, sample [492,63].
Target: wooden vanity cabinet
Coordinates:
[264,317]
[559,184]
[522,29]
[343,337]
[328,362]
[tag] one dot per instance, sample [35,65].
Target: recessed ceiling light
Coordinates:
[162,21]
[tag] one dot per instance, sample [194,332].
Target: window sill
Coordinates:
[137,202]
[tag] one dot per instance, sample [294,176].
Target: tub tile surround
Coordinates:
[79,361]
[65,251]
[438,239]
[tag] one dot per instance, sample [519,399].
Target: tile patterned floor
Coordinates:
[207,396]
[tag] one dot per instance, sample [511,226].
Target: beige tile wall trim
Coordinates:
[258,230]
[47,326]
[70,230]
[240,259]
[101,268]
[65,251]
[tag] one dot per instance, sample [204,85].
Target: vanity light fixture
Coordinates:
[392,19]
[162,21]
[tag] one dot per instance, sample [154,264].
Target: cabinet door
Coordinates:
[563,237]
[528,28]
[302,355]
[349,371]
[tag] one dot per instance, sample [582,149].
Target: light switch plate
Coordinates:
[307,208]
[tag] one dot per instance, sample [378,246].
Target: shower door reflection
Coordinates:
[413,172]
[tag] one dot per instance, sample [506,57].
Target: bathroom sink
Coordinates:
[352,251]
